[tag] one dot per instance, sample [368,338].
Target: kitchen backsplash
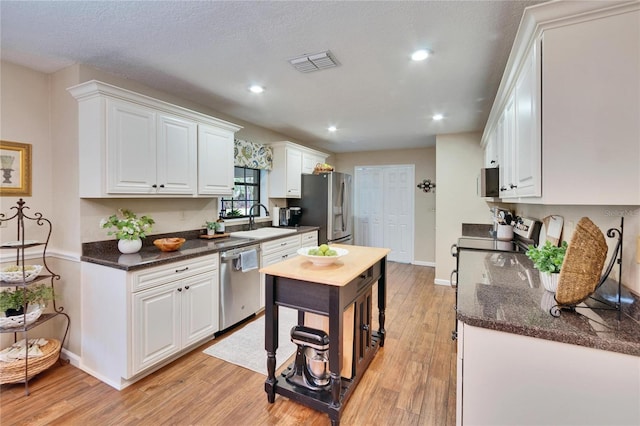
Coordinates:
[605,217]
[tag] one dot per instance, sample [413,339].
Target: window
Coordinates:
[246,193]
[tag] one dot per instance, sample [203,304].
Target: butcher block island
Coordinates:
[342,294]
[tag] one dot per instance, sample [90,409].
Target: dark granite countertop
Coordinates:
[106,252]
[502,291]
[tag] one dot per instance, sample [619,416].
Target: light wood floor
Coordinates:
[411,381]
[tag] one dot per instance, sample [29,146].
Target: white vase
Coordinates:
[211,231]
[129,246]
[549,281]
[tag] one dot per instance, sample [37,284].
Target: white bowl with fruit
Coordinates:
[322,255]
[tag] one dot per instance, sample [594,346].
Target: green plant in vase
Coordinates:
[548,259]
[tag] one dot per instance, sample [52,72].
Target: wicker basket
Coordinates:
[13,372]
[582,264]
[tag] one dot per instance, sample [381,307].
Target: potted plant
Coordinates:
[548,260]
[212,227]
[14,301]
[234,213]
[129,229]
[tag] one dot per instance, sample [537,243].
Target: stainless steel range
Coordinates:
[526,232]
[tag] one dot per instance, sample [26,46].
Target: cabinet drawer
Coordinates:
[280,244]
[152,277]
[310,239]
[278,256]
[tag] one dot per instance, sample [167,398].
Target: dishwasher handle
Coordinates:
[229,257]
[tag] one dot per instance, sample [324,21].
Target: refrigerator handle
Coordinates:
[344,228]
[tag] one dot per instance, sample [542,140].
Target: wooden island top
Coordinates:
[343,271]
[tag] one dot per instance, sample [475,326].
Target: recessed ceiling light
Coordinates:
[332,128]
[420,55]
[256,89]
[437,117]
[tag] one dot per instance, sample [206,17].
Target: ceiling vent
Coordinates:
[314,62]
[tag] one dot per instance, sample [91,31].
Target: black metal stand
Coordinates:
[615,258]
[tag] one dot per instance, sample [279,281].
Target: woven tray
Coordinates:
[13,372]
[582,264]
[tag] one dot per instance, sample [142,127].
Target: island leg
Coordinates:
[382,299]
[270,338]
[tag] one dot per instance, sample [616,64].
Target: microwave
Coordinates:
[489,182]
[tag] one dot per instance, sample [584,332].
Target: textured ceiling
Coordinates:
[209,52]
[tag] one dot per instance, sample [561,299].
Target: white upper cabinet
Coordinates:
[131,145]
[572,80]
[527,166]
[310,160]
[289,162]
[215,160]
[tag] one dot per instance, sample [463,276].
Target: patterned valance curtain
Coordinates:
[253,155]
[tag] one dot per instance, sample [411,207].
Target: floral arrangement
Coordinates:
[128,226]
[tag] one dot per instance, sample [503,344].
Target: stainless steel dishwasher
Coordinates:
[239,291]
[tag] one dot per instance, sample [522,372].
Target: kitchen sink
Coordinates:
[263,233]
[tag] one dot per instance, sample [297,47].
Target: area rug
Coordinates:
[245,347]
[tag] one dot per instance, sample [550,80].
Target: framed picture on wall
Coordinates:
[15,166]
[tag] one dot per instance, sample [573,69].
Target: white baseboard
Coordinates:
[423,263]
[73,358]
[440,281]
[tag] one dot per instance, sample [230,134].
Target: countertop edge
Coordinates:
[107,260]
[612,345]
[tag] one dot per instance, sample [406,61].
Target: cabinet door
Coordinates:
[156,325]
[215,161]
[131,148]
[507,165]
[199,307]
[294,172]
[363,344]
[309,161]
[527,141]
[176,155]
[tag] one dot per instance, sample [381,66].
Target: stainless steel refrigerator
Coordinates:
[326,202]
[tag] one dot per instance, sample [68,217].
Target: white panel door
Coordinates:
[368,207]
[398,212]
[384,212]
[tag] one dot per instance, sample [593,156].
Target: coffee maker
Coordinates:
[311,367]
[290,216]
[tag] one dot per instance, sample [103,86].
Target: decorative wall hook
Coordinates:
[426,185]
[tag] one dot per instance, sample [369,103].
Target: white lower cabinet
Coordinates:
[135,322]
[510,379]
[171,317]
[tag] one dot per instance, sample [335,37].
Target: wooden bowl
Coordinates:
[169,244]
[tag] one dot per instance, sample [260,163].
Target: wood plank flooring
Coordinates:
[411,381]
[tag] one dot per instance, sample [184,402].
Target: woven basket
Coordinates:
[582,264]
[13,372]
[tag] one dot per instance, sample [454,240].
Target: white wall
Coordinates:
[458,162]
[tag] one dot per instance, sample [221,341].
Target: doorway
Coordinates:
[384,209]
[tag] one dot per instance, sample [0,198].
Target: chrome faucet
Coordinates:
[251,219]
